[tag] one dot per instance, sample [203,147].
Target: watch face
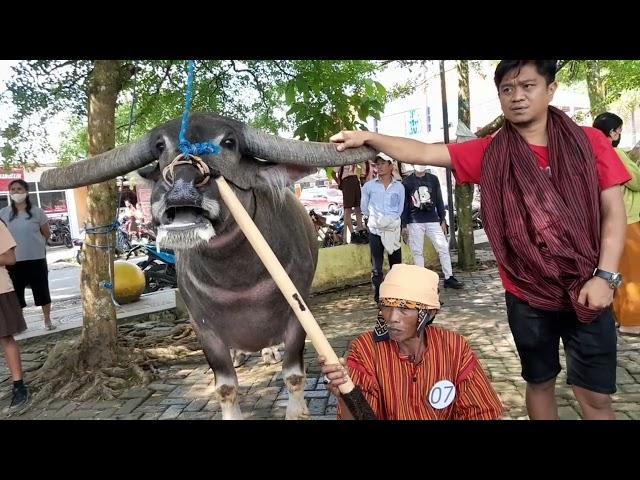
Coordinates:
[616,280]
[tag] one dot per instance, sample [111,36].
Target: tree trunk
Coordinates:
[99,333]
[595,87]
[464,193]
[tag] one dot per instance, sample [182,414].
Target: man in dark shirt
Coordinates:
[424,213]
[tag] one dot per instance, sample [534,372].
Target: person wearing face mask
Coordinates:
[406,368]
[626,303]
[29,226]
[424,214]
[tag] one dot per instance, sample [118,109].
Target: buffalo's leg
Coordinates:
[271,355]
[293,371]
[217,354]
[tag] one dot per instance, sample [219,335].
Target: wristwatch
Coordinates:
[614,279]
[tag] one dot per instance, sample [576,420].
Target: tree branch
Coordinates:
[283,70]
[491,127]
[256,81]
[56,67]
[127,71]
[149,105]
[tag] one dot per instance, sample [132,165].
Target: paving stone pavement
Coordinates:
[185,388]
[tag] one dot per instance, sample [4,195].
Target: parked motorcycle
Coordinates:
[327,233]
[59,233]
[330,234]
[159,268]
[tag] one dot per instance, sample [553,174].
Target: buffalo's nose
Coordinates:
[183,194]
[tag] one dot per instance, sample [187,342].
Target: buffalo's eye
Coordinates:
[160,145]
[228,143]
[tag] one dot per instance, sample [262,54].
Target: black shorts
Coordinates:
[33,274]
[351,193]
[590,349]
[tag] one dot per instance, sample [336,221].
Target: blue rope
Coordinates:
[187,148]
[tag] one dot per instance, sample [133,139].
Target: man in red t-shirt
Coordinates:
[558,264]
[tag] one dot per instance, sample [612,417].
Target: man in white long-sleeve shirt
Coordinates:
[383,202]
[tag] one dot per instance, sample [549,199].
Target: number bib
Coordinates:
[442,394]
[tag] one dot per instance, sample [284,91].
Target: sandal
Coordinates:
[51,326]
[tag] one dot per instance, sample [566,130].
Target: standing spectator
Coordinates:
[626,304]
[424,214]
[348,181]
[29,226]
[11,322]
[382,202]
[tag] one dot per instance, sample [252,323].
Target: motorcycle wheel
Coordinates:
[152,283]
[68,242]
[159,276]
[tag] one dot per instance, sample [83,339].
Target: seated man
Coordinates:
[408,369]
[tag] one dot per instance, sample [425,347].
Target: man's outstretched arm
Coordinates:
[401,149]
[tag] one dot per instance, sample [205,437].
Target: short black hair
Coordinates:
[546,68]
[607,121]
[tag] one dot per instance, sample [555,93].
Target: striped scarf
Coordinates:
[544,230]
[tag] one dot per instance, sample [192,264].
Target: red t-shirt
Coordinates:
[466,159]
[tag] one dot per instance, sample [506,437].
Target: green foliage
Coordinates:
[607,79]
[75,142]
[312,98]
[327,96]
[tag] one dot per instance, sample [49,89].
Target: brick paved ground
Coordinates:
[184,389]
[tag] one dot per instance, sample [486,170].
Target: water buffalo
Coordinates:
[231,298]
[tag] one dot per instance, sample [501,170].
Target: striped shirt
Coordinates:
[447,384]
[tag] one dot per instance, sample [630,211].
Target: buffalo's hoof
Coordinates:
[271,355]
[239,358]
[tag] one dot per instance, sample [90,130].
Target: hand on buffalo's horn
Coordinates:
[348,139]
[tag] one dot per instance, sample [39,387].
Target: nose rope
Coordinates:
[182,159]
[187,148]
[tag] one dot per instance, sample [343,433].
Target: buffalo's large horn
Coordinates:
[297,152]
[99,168]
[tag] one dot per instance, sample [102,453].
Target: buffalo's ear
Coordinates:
[150,172]
[277,176]
[296,172]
